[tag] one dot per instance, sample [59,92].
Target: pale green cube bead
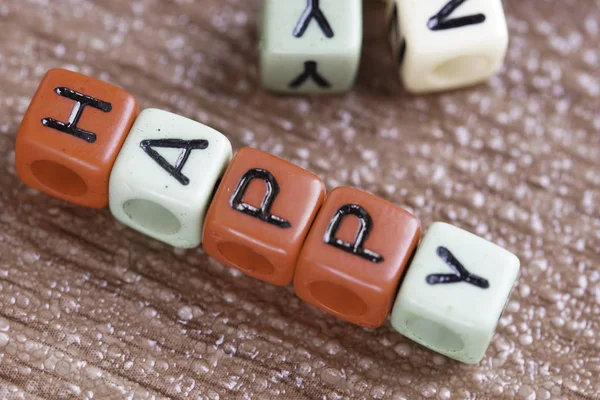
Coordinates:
[289,56]
[455,317]
[164,177]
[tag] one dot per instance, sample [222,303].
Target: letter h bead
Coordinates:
[354,256]
[310,46]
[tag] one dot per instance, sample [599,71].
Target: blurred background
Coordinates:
[91,309]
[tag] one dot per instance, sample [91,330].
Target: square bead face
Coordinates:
[71,135]
[310,45]
[354,256]
[261,214]
[446,44]
[165,175]
[454,292]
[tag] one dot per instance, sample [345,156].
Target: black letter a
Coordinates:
[186,145]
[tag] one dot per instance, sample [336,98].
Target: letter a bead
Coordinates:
[164,178]
[447,44]
[310,46]
[354,256]
[454,292]
[71,135]
[261,215]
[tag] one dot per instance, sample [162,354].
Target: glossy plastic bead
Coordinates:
[354,256]
[163,180]
[71,135]
[261,215]
[447,44]
[454,292]
[310,46]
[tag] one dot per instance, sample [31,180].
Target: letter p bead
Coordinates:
[261,215]
[354,256]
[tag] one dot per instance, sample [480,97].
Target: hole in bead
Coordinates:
[59,178]
[337,298]
[434,334]
[461,70]
[245,258]
[152,216]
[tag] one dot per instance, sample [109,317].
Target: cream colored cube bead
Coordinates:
[310,46]
[447,44]
[164,177]
[454,292]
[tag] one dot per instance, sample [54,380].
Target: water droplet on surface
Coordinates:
[185,313]
[4,338]
[526,392]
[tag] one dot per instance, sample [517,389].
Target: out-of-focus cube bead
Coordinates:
[447,44]
[310,46]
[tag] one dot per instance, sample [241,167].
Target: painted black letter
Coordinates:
[186,145]
[81,101]
[310,71]
[440,21]
[264,211]
[461,274]
[364,229]
[313,11]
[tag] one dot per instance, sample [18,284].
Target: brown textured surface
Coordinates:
[90,309]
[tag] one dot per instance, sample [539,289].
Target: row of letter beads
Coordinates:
[82,140]
[314,46]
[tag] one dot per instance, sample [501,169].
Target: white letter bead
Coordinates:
[454,292]
[310,46]
[164,177]
[447,44]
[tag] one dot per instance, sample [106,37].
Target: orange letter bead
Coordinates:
[71,135]
[261,215]
[354,256]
